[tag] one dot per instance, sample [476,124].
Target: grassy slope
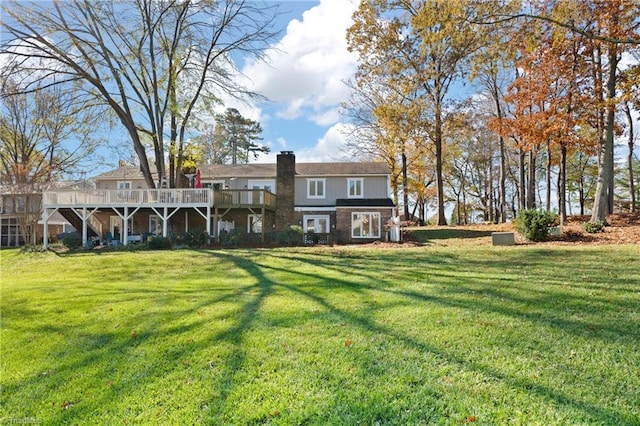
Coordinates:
[448,335]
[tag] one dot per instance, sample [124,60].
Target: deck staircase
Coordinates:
[76,222]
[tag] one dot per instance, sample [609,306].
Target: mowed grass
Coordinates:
[429,335]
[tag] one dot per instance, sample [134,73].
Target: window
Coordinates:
[354,187]
[315,188]
[10,235]
[365,225]
[155,224]
[318,224]
[254,223]
[123,194]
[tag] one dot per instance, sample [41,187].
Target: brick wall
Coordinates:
[343,224]
[285,187]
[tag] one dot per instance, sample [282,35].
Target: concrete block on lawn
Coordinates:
[503,238]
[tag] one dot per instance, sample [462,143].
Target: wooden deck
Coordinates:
[164,203]
[141,198]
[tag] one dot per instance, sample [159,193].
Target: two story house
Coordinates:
[347,201]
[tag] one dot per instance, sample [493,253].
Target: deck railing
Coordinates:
[160,197]
[244,198]
[122,197]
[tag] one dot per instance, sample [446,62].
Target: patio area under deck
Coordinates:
[164,202]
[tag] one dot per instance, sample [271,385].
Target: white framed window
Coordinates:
[254,223]
[316,188]
[155,224]
[355,187]
[124,184]
[365,225]
[320,224]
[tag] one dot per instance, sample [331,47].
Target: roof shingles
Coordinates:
[212,171]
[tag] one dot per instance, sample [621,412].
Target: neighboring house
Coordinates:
[347,201]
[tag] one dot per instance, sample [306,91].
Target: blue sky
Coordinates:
[303,77]
[304,80]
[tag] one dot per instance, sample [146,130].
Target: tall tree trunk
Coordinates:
[395,185]
[548,177]
[503,161]
[415,208]
[522,200]
[503,182]
[531,181]
[140,151]
[405,184]
[465,212]
[568,201]
[632,189]
[562,185]
[442,220]
[581,195]
[603,203]
[490,218]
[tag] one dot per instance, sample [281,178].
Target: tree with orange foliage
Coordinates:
[631,97]
[559,73]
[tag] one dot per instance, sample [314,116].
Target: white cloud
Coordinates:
[282,142]
[293,109]
[329,147]
[326,118]
[305,70]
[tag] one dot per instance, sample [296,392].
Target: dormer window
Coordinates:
[355,187]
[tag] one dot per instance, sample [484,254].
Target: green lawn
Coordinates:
[430,335]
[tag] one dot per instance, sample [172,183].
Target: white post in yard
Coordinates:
[164,223]
[45,229]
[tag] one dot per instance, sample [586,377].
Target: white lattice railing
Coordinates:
[132,197]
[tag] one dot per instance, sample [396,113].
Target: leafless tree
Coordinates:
[44,135]
[158,65]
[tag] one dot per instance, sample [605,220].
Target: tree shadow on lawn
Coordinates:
[369,325]
[365,322]
[481,293]
[101,347]
[128,353]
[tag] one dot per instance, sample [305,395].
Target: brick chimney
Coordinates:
[285,187]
